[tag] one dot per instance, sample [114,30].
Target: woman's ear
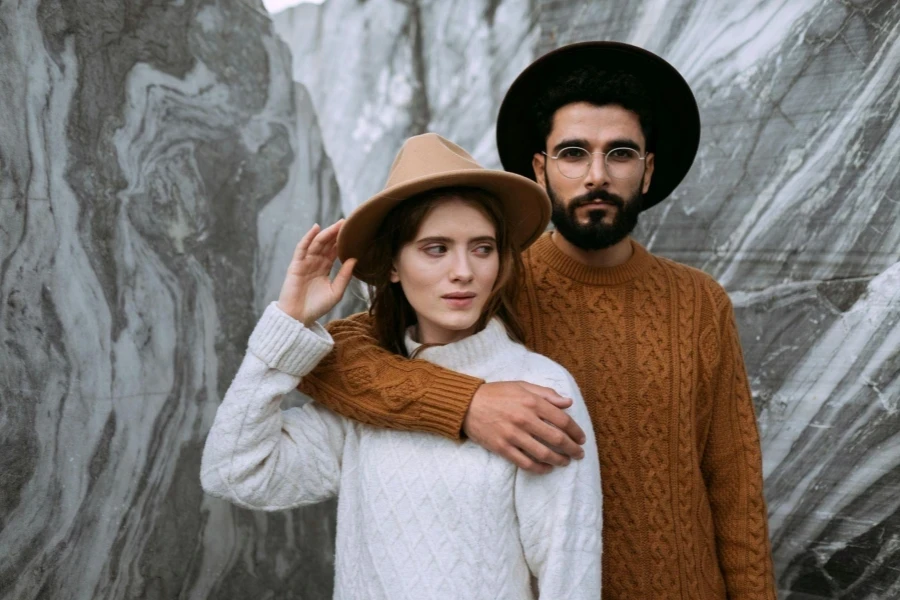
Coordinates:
[395,277]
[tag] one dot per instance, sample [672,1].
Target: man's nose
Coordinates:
[598,174]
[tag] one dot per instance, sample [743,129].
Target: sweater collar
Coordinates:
[546,251]
[473,350]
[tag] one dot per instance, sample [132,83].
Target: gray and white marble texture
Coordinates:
[792,204]
[156,163]
[159,160]
[380,71]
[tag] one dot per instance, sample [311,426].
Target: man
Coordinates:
[609,130]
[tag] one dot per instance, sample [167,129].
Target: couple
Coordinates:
[607,130]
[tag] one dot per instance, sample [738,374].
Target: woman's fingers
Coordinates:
[343,277]
[325,239]
[332,252]
[303,245]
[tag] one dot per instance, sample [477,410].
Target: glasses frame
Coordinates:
[591,164]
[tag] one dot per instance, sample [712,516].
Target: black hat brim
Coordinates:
[676,117]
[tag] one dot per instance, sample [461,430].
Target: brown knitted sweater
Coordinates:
[654,347]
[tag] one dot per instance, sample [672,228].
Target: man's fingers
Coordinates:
[518,458]
[539,451]
[561,420]
[558,401]
[548,394]
[557,439]
[515,419]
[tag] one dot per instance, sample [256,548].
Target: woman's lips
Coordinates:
[459,299]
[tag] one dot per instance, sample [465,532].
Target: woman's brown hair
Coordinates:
[391,312]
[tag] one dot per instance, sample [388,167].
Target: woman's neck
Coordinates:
[432,334]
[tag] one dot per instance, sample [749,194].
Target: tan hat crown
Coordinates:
[427,155]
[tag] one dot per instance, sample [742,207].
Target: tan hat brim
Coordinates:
[525,206]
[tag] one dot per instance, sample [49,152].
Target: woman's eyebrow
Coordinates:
[434,239]
[437,239]
[483,238]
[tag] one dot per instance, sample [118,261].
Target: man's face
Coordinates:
[594,211]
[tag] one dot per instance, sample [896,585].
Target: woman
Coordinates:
[419,516]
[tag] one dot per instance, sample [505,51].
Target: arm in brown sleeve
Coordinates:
[732,467]
[364,382]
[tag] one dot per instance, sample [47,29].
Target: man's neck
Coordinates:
[615,255]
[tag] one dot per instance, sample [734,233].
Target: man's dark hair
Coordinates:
[597,86]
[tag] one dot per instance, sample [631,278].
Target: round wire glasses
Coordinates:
[621,163]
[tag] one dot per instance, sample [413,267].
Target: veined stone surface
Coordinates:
[380,71]
[156,170]
[158,164]
[792,204]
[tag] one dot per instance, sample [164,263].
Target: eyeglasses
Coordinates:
[621,163]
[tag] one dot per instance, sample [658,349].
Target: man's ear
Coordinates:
[648,170]
[537,163]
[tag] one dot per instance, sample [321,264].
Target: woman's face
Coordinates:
[448,271]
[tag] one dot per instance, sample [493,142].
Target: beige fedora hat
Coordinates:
[427,162]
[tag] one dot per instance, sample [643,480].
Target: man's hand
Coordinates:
[525,424]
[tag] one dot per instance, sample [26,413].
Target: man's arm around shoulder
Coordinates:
[367,383]
[360,380]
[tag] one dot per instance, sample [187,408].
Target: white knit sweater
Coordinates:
[419,516]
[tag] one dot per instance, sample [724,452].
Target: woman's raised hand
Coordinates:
[308,292]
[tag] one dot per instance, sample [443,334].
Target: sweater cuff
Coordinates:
[285,344]
[446,402]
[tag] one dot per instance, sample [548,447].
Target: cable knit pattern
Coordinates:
[412,394]
[655,349]
[419,516]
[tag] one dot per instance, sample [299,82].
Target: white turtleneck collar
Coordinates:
[469,353]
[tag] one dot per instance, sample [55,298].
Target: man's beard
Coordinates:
[595,235]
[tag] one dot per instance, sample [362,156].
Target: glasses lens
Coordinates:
[574,162]
[623,163]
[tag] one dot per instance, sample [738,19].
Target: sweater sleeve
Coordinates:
[732,468]
[560,516]
[363,381]
[258,456]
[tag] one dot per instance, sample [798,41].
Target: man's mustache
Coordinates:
[595,195]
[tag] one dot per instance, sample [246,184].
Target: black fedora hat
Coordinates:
[676,118]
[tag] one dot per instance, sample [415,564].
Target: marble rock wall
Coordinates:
[380,71]
[157,166]
[792,204]
[150,150]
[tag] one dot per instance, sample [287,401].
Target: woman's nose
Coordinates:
[460,268]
